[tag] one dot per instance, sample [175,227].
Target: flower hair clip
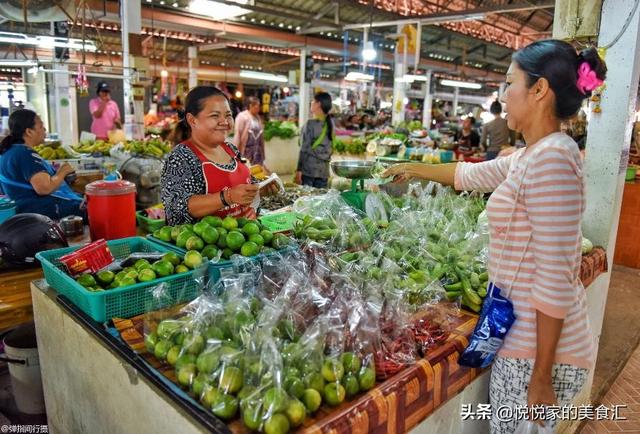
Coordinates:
[587,79]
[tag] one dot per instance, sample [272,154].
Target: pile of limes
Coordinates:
[141,271]
[215,237]
[229,376]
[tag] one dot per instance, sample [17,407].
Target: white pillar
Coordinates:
[428,102]
[456,96]
[131,13]
[607,148]
[501,90]
[37,94]
[64,106]
[193,67]
[303,108]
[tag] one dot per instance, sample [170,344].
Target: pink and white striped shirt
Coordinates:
[541,237]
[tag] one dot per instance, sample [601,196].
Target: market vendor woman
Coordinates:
[29,179]
[316,144]
[205,174]
[535,215]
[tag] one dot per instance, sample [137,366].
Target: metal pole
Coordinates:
[456,96]
[303,106]
[193,67]
[428,103]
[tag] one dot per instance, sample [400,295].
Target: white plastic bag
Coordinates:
[529,427]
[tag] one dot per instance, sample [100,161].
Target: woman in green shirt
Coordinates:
[315,148]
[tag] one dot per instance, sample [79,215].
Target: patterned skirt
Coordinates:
[509,387]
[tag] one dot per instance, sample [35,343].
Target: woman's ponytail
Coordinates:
[19,122]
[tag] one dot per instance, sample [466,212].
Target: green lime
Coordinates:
[296,412]
[209,396]
[175,231]
[173,354]
[235,240]
[162,348]
[230,379]
[257,238]
[194,243]
[225,406]
[275,400]
[163,268]
[334,394]
[213,221]
[185,359]
[188,227]
[146,275]
[193,259]
[186,374]
[105,277]
[86,280]
[181,269]
[251,228]
[150,341]
[132,273]
[295,387]
[164,234]
[210,235]
[312,400]
[351,362]
[277,424]
[172,257]
[250,249]
[207,362]
[178,338]
[252,417]
[215,333]
[199,228]
[267,236]
[229,223]
[332,370]
[267,250]
[198,384]
[242,221]
[193,344]
[222,232]
[141,264]
[222,241]
[367,378]
[183,237]
[227,253]
[210,251]
[315,381]
[126,281]
[351,385]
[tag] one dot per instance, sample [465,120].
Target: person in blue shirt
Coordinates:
[30,180]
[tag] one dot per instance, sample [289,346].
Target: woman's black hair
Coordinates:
[194,103]
[326,104]
[19,122]
[558,62]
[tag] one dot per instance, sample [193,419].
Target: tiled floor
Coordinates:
[625,391]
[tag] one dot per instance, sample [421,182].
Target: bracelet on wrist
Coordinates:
[223,199]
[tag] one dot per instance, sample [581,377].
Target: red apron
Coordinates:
[217,179]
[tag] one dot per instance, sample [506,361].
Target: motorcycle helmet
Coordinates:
[24,235]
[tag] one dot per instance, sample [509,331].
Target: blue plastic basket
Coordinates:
[124,302]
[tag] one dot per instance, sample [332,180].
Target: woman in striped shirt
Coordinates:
[535,215]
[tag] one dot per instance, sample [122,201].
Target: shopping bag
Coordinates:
[496,318]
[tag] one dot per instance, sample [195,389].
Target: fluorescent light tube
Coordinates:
[18,62]
[358,76]
[465,84]
[217,10]
[263,76]
[47,41]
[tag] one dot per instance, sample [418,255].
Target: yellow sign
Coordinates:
[412,37]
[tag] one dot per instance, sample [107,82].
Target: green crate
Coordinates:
[224,267]
[149,225]
[279,222]
[124,302]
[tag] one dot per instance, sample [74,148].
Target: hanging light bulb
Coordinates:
[238,94]
[164,73]
[369,52]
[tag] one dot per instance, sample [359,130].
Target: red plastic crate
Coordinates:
[90,258]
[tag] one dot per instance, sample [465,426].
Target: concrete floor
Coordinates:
[620,330]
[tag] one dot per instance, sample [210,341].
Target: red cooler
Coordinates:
[111,206]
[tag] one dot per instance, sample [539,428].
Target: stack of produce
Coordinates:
[152,147]
[97,147]
[142,270]
[51,151]
[215,237]
[281,130]
[292,192]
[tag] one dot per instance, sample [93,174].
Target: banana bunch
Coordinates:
[51,152]
[97,147]
[153,147]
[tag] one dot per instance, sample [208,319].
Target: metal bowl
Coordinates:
[353,169]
